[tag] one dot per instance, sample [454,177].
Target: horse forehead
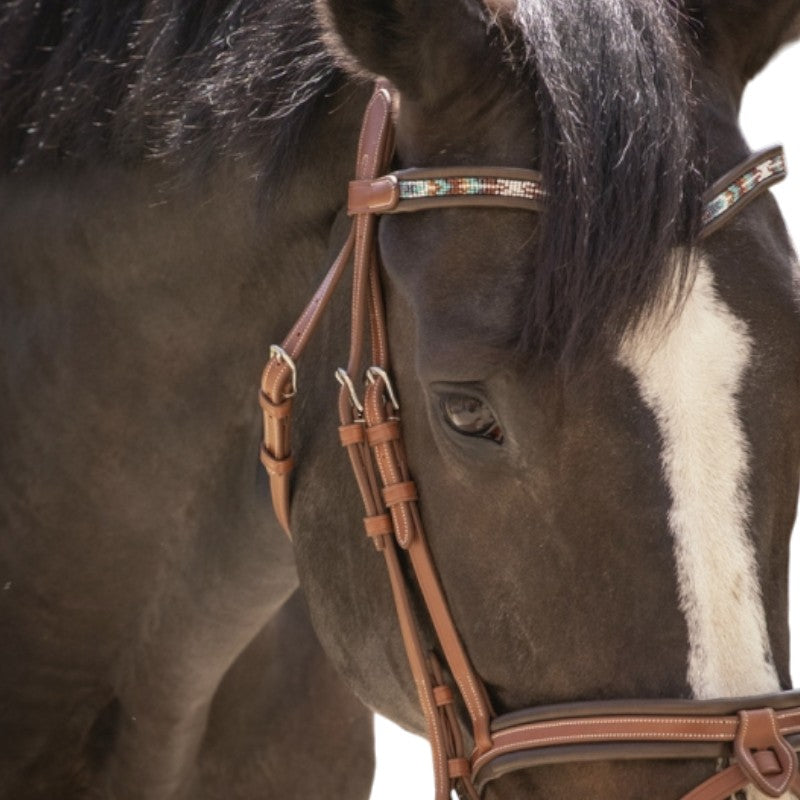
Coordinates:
[464,273]
[496,126]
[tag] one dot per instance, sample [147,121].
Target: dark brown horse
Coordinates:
[601,414]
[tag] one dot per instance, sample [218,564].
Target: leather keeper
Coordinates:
[373,196]
[458,768]
[443,695]
[275,466]
[383,432]
[379,525]
[275,410]
[767,762]
[400,493]
[351,434]
[758,731]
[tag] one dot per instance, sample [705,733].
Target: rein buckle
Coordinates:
[373,373]
[279,354]
[346,381]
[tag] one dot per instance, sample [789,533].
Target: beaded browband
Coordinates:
[418,189]
[753,741]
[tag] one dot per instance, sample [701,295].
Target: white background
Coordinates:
[770,115]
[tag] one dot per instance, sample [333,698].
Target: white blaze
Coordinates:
[689,375]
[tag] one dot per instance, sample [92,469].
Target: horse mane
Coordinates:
[184,79]
[622,163]
[199,80]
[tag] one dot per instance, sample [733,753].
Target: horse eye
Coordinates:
[471,417]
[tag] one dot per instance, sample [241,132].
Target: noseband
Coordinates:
[756,739]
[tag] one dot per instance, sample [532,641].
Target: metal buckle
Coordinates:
[277,352]
[345,380]
[373,373]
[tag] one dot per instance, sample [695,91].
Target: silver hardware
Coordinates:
[276,351]
[344,380]
[373,373]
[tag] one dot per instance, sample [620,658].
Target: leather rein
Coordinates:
[755,738]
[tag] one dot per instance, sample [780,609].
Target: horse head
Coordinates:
[598,403]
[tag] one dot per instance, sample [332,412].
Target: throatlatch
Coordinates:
[756,737]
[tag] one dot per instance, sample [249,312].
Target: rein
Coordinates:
[756,737]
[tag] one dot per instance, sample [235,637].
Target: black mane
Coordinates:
[621,159]
[166,78]
[198,81]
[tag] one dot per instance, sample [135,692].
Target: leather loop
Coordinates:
[383,432]
[276,381]
[275,466]
[758,730]
[379,525]
[404,492]
[373,196]
[443,695]
[351,434]
[275,410]
[458,768]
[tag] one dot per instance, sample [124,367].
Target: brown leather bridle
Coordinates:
[756,738]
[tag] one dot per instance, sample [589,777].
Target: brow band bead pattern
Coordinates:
[742,186]
[411,189]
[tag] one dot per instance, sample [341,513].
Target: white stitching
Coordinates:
[621,721]
[567,738]
[298,333]
[430,713]
[783,744]
[469,692]
[363,222]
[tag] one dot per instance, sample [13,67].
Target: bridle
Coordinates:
[755,738]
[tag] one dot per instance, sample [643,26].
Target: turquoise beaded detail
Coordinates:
[468,186]
[772,167]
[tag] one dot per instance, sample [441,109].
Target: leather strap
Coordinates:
[758,731]
[401,497]
[279,383]
[734,778]
[374,151]
[652,728]
[735,190]
[447,187]
[389,495]
[752,733]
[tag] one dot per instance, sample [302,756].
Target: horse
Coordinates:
[598,402]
